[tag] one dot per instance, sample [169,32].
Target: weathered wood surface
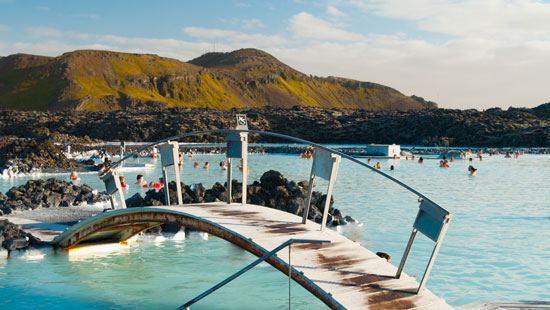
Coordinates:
[343,270]
[354,276]
[507,305]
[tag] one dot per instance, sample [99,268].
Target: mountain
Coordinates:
[107,81]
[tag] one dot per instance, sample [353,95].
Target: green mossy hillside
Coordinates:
[107,81]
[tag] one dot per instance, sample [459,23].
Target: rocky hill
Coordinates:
[108,81]
[434,127]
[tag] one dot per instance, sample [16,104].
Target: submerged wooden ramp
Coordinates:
[342,273]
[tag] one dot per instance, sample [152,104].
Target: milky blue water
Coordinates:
[497,246]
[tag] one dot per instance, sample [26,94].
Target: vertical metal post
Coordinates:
[122,200]
[434,253]
[289,277]
[166,190]
[332,180]
[178,184]
[122,145]
[229,177]
[112,199]
[112,185]
[429,267]
[169,157]
[308,198]
[406,254]
[237,147]
[245,178]
[327,203]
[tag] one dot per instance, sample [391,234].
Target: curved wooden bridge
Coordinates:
[341,273]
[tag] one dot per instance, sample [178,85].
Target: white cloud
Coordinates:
[306,25]
[252,23]
[41,32]
[234,36]
[335,12]
[4,28]
[44,32]
[506,20]
[89,16]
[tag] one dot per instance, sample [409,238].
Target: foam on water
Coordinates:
[31,253]
[200,235]
[3,253]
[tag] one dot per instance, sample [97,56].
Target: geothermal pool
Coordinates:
[496,248]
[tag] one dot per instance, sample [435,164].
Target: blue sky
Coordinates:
[461,54]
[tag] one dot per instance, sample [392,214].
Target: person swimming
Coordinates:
[378,165]
[141,181]
[421,160]
[240,167]
[123,184]
[472,170]
[74,176]
[196,165]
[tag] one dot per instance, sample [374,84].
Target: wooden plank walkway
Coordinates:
[343,271]
[354,276]
[507,305]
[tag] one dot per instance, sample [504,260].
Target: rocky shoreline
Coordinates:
[515,127]
[51,193]
[55,201]
[272,191]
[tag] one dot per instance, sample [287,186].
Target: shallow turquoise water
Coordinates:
[496,248]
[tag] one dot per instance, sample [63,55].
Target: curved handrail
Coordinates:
[250,266]
[214,131]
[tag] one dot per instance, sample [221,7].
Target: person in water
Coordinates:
[392,168]
[206,165]
[472,170]
[141,181]
[103,170]
[378,165]
[196,165]
[123,184]
[421,160]
[241,166]
[383,255]
[74,176]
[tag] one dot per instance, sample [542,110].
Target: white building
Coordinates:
[383,150]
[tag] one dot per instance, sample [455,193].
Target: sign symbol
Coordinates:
[241,120]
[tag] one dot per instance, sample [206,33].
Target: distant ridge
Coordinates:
[107,81]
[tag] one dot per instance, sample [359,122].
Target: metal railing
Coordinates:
[237,131]
[250,266]
[432,220]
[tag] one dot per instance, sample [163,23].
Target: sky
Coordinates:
[460,54]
